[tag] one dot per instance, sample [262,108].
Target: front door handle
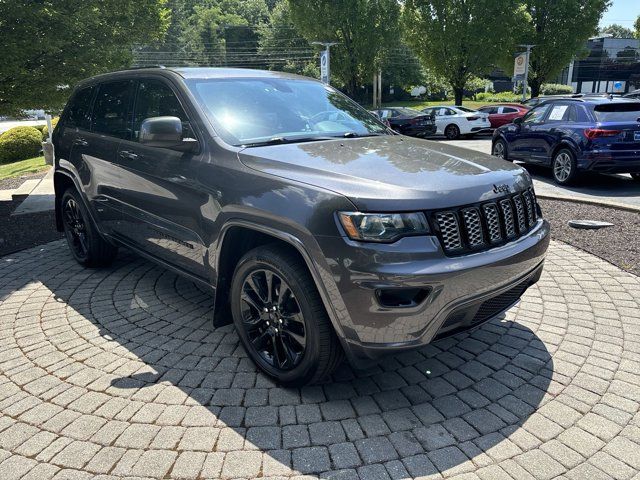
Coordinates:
[128,155]
[81,142]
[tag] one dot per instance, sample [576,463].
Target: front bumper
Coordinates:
[457,288]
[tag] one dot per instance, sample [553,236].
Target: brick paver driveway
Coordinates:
[119,372]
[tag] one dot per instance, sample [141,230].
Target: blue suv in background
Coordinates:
[571,135]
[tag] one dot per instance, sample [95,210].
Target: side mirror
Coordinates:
[517,120]
[162,132]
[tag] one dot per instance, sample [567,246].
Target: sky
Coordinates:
[623,12]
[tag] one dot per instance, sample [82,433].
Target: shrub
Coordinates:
[45,130]
[39,127]
[20,143]
[555,89]
[502,97]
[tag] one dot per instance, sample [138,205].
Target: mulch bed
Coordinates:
[619,244]
[25,231]
[14,182]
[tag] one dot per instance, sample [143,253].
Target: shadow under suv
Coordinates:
[319,231]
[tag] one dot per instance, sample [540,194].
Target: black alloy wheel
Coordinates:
[281,319]
[75,229]
[87,246]
[272,319]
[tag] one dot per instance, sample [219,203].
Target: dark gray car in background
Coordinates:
[320,232]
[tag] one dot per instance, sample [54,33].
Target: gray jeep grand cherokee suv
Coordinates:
[320,232]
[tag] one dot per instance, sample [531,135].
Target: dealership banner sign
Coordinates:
[519,66]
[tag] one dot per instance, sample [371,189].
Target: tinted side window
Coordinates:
[78,114]
[110,112]
[536,115]
[156,99]
[509,110]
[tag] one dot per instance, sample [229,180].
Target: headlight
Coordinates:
[383,227]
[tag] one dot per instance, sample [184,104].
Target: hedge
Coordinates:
[45,130]
[555,89]
[20,143]
[502,97]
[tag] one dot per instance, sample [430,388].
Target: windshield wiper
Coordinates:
[360,135]
[283,140]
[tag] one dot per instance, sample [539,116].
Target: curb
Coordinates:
[600,203]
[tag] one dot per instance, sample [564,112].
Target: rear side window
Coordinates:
[618,112]
[110,112]
[78,114]
[156,99]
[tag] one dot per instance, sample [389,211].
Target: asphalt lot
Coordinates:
[615,188]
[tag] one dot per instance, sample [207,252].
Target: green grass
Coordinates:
[419,105]
[23,167]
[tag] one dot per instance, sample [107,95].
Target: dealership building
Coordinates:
[612,65]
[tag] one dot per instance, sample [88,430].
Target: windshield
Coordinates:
[247,111]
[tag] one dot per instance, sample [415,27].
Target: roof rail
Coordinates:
[141,67]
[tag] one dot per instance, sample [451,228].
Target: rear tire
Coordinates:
[452,132]
[87,246]
[563,167]
[287,334]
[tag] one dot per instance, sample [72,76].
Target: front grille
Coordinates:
[492,307]
[479,227]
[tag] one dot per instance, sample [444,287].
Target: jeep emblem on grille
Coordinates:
[504,188]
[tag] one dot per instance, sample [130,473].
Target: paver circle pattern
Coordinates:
[119,373]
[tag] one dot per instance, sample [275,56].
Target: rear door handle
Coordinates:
[128,155]
[81,142]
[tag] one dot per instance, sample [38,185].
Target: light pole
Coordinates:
[525,81]
[325,61]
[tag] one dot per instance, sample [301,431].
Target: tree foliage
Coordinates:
[617,31]
[460,38]
[280,41]
[636,26]
[363,29]
[49,45]
[559,30]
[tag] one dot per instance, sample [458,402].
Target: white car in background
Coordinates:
[453,122]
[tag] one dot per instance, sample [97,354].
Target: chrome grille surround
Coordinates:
[493,222]
[473,226]
[450,230]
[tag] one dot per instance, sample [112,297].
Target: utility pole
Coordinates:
[525,81]
[325,63]
[377,89]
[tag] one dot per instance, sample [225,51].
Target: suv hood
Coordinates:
[391,173]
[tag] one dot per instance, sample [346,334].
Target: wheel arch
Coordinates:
[563,144]
[62,180]
[238,237]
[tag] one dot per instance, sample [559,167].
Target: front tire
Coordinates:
[452,132]
[280,317]
[563,167]
[87,246]
[499,149]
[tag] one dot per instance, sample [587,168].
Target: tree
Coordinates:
[559,31]
[283,45]
[636,26]
[362,28]
[48,46]
[617,31]
[460,38]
